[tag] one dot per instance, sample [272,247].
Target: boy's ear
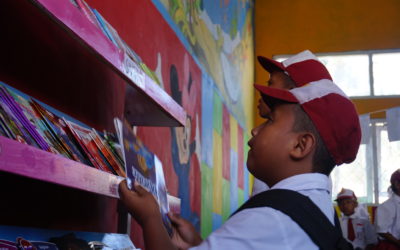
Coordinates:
[303,146]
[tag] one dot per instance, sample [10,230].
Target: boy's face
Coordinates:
[347,206]
[271,141]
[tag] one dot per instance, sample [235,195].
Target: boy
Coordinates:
[358,231]
[387,219]
[310,127]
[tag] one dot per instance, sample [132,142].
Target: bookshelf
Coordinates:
[52,52]
[75,68]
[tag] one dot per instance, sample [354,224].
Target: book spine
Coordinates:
[23,114]
[104,26]
[21,133]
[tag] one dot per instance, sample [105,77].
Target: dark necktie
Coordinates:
[350,230]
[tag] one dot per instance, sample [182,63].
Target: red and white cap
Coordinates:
[331,111]
[346,194]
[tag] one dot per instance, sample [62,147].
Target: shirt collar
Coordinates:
[396,197]
[345,217]
[303,182]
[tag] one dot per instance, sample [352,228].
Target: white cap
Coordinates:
[346,194]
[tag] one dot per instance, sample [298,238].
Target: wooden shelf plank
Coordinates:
[28,161]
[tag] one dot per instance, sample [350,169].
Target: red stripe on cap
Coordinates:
[281,94]
[337,122]
[307,71]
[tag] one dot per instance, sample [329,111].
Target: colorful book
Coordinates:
[112,141]
[20,115]
[162,195]
[37,122]
[143,167]
[118,41]
[104,26]
[83,136]
[106,152]
[58,131]
[21,133]
[7,131]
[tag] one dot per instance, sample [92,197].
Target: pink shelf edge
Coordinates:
[90,34]
[28,161]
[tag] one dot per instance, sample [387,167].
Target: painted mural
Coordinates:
[220,35]
[202,54]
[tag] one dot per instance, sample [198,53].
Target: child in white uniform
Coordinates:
[387,218]
[360,232]
[310,127]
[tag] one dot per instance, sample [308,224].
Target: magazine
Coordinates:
[24,115]
[106,151]
[38,123]
[83,136]
[162,195]
[58,130]
[143,167]
[19,131]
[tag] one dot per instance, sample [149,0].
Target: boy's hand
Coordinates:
[184,234]
[140,203]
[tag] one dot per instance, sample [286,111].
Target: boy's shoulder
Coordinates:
[390,203]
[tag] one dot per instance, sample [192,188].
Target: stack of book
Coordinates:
[26,120]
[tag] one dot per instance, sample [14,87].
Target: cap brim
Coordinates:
[270,65]
[281,94]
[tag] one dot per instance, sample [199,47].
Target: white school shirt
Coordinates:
[387,218]
[267,228]
[258,187]
[364,232]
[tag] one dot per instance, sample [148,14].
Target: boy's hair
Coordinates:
[393,187]
[395,177]
[322,160]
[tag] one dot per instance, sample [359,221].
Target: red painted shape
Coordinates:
[226,144]
[195,185]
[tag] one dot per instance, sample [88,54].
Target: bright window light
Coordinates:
[386,73]
[350,73]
